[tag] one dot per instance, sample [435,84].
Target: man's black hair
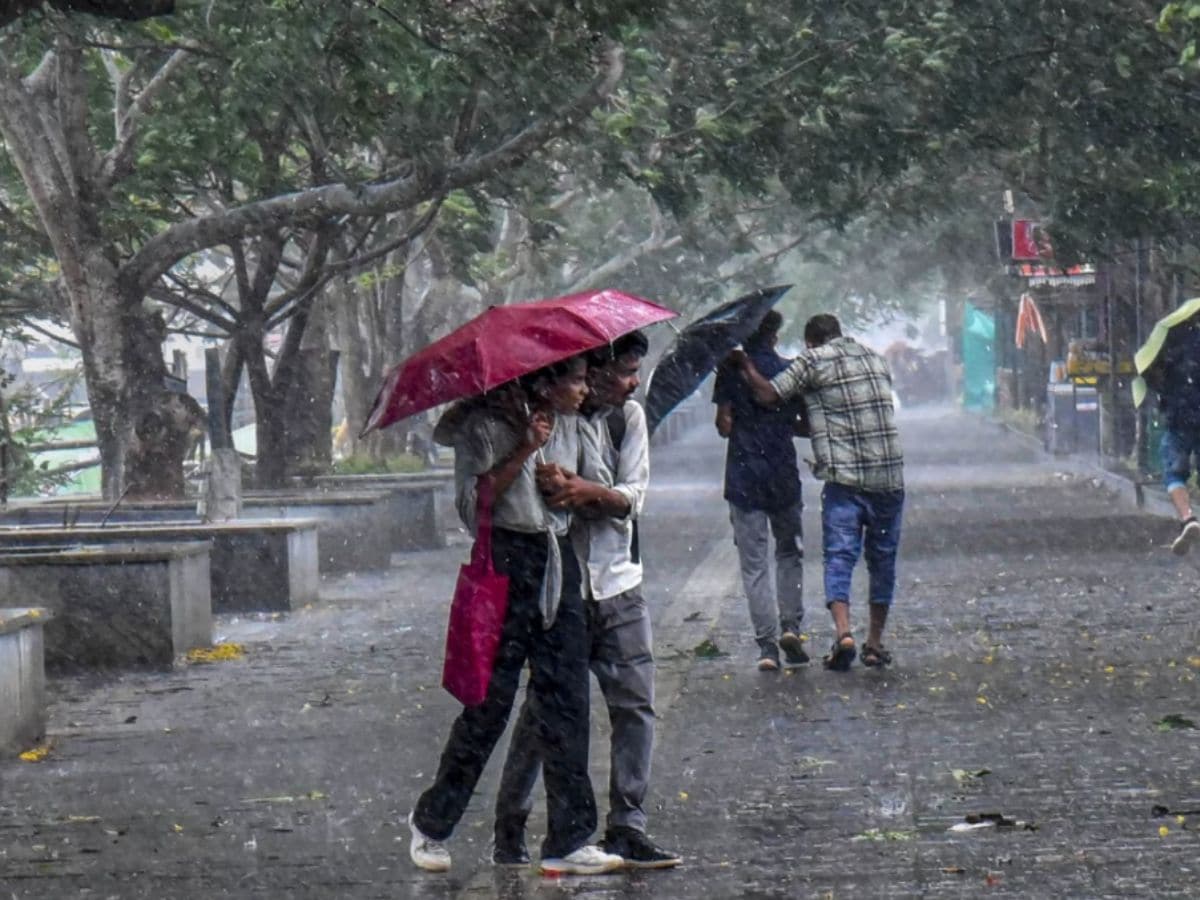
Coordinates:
[766,331]
[634,343]
[821,329]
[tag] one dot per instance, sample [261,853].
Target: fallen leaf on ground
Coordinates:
[706,649]
[217,653]
[963,775]
[1174,722]
[37,754]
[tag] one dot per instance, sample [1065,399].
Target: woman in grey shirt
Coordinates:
[502,441]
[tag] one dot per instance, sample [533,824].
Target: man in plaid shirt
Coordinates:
[848,389]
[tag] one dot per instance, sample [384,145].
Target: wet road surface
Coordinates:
[1046,665]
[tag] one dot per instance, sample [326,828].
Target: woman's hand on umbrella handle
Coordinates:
[541,423]
[737,359]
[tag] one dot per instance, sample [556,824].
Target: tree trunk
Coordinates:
[308,413]
[142,432]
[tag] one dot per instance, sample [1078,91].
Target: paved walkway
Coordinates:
[1044,639]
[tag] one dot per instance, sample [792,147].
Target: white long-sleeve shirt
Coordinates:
[604,545]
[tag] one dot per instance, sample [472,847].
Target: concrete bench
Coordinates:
[352,526]
[258,565]
[420,505]
[22,677]
[115,606]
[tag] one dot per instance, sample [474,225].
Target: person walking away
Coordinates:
[848,389]
[762,487]
[606,503]
[544,623]
[1177,380]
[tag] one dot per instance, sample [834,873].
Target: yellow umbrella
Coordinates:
[1148,353]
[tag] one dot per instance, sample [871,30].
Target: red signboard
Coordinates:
[1030,241]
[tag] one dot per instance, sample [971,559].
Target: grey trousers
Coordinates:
[781,608]
[622,659]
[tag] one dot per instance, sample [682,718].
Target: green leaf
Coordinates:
[1174,722]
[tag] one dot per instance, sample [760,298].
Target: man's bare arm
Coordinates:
[764,392]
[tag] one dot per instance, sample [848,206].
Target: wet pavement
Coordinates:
[1046,664]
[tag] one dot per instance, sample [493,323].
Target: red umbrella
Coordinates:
[505,342]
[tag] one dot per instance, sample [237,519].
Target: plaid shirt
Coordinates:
[848,389]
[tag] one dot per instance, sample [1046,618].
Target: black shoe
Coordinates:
[510,852]
[638,851]
[1189,533]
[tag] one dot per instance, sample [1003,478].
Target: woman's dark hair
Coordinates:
[821,329]
[552,372]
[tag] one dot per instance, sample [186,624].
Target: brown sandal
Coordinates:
[842,654]
[875,657]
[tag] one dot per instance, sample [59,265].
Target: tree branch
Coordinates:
[50,334]
[277,309]
[118,162]
[314,204]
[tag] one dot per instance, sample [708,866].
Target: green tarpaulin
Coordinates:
[979,359]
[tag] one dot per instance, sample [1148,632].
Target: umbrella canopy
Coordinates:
[1151,352]
[505,342]
[701,346]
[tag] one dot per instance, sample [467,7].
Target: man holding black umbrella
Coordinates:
[762,487]
[857,448]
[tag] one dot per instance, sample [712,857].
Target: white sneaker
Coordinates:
[587,860]
[426,853]
[1189,534]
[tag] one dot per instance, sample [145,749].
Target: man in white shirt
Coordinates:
[607,502]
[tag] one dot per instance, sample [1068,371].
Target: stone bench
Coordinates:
[115,606]
[22,677]
[259,565]
[420,505]
[352,526]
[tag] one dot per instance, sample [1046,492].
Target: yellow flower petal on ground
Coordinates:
[683,795]
[1163,830]
[37,754]
[177,828]
[217,653]
[982,701]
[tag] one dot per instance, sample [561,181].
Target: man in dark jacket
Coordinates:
[762,486]
[848,388]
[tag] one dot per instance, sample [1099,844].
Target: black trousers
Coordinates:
[558,689]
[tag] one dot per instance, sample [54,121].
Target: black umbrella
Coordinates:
[701,346]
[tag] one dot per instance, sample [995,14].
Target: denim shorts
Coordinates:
[855,523]
[1176,450]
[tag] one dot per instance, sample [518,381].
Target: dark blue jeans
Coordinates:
[558,692]
[854,522]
